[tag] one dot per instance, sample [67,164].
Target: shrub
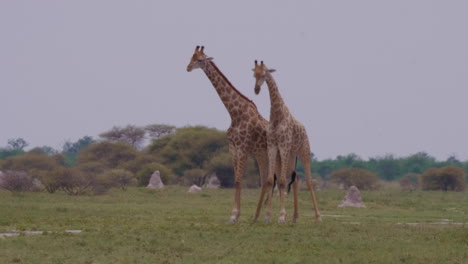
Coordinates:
[93,167]
[138,163]
[110,155]
[73,181]
[50,179]
[102,183]
[144,174]
[16,181]
[193,176]
[449,178]
[120,178]
[361,178]
[221,164]
[188,148]
[30,161]
[409,182]
[251,176]
[68,182]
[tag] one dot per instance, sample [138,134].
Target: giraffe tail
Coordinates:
[293,177]
[272,188]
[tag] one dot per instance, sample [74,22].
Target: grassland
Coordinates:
[172,226]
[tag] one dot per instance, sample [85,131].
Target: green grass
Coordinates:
[172,226]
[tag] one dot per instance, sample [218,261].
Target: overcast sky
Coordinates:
[365,77]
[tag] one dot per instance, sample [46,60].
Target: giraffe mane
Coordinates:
[230,84]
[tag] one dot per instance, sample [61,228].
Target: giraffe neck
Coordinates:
[233,100]
[278,107]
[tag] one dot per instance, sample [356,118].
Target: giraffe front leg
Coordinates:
[262,161]
[238,174]
[282,186]
[272,158]
[296,206]
[295,177]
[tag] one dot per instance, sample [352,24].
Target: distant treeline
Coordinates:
[186,155]
[388,167]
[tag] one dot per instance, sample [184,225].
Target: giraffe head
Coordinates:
[260,72]
[198,59]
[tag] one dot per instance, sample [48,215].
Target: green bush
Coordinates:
[449,178]
[221,164]
[110,155]
[102,183]
[50,179]
[188,148]
[29,162]
[409,182]
[73,181]
[139,162]
[361,178]
[193,176]
[119,178]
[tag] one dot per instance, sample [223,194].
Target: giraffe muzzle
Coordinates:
[257,89]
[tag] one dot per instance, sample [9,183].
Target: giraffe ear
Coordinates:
[271,70]
[209,58]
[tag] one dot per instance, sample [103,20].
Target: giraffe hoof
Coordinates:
[319,218]
[233,219]
[281,221]
[267,220]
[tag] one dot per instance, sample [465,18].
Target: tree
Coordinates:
[419,162]
[74,147]
[130,134]
[15,147]
[8,152]
[30,162]
[194,176]
[388,167]
[409,182]
[48,150]
[189,148]
[449,178]
[159,130]
[17,143]
[109,155]
[350,161]
[361,178]
[119,178]
[221,164]
[70,149]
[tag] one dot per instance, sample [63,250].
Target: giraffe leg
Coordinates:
[282,185]
[262,161]
[292,168]
[305,159]
[272,157]
[239,167]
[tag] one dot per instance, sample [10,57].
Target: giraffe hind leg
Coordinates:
[293,178]
[238,174]
[305,159]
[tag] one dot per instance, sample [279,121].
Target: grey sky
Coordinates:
[365,77]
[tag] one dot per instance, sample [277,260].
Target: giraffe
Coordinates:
[247,132]
[286,137]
